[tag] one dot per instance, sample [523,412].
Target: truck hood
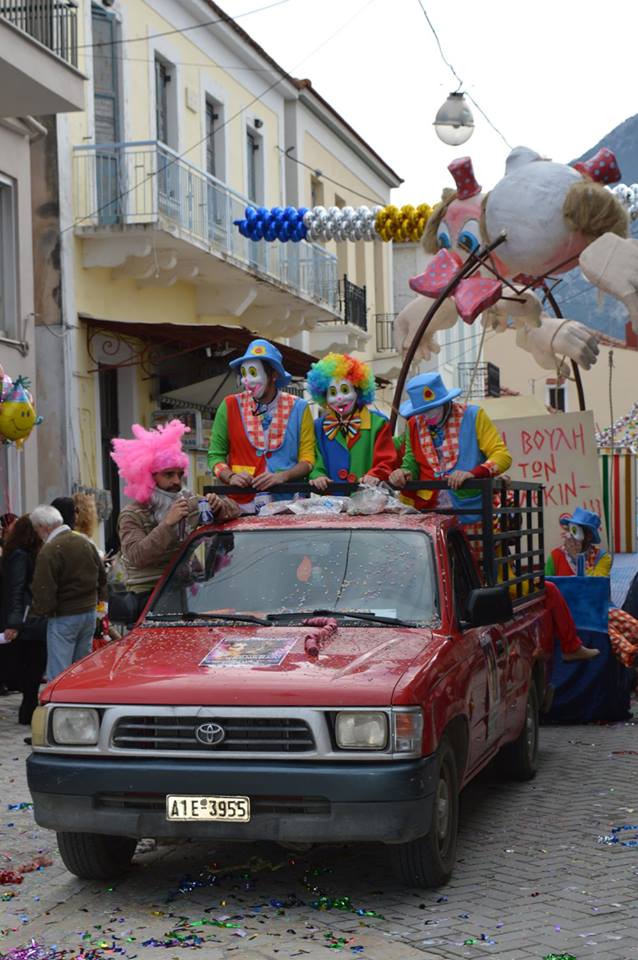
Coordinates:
[357,666]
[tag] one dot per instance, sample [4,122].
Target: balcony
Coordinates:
[479,380]
[38,62]
[156,218]
[353,303]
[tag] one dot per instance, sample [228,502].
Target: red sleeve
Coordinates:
[480,472]
[385,458]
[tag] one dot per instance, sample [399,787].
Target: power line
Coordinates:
[456,76]
[284,75]
[323,176]
[196,26]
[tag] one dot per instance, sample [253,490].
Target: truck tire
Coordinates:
[519,760]
[429,861]
[94,856]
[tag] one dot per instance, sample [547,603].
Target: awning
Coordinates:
[180,338]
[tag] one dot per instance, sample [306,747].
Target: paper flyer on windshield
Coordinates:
[248,652]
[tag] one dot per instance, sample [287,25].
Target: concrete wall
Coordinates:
[520,371]
[19,468]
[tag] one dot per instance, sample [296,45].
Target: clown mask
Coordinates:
[341,396]
[254,378]
[576,532]
[433,417]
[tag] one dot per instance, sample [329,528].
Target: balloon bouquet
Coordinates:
[17,410]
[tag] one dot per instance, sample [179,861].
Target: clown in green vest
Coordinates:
[352,442]
[262,436]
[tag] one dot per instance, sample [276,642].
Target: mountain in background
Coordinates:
[577,298]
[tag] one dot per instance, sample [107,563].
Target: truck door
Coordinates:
[486,650]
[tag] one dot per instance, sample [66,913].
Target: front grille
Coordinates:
[241,734]
[282,806]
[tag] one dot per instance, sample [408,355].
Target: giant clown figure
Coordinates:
[548,217]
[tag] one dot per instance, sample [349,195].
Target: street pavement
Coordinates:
[532,878]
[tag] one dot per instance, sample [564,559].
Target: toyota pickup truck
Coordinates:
[305,679]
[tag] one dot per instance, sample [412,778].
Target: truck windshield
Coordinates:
[389,573]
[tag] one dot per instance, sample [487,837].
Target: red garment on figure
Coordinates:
[558,622]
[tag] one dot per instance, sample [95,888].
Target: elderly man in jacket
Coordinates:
[68,582]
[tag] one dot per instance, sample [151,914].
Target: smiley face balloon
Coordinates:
[17,413]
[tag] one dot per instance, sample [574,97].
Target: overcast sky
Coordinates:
[554,75]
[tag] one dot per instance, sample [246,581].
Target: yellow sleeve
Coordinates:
[497,457]
[307,438]
[603,567]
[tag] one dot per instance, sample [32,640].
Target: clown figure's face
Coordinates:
[254,378]
[341,396]
[434,416]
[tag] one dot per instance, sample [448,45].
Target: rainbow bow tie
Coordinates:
[332,424]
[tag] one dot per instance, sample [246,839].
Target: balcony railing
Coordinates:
[385,332]
[124,184]
[353,303]
[479,380]
[51,22]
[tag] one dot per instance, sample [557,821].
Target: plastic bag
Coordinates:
[376,498]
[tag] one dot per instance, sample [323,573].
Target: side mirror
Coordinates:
[488,605]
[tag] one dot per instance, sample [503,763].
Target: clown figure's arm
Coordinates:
[409,320]
[385,456]
[218,451]
[409,469]
[497,457]
[557,338]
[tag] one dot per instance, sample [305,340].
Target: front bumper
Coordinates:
[295,802]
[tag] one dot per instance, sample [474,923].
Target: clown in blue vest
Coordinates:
[447,439]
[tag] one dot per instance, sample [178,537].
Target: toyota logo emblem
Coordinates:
[210,734]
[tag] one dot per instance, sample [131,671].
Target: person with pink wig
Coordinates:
[153,466]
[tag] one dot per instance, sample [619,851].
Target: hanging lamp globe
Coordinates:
[454,123]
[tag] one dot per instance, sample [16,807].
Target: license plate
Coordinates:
[208,808]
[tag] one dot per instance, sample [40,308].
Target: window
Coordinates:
[108,173]
[464,575]
[316,192]
[8,260]
[254,178]
[212,123]
[162,79]
[385,572]
[557,396]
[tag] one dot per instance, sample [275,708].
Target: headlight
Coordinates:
[76,726]
[361,730]
[407,731]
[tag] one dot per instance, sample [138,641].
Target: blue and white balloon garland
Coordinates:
[285,224]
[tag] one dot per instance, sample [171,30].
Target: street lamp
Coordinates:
[454,123]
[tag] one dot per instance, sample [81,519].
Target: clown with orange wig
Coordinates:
[353,442]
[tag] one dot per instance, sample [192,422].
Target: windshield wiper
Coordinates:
[372,617]
[190,615]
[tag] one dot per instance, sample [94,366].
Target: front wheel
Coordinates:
[519,760]
[94,856]
[429,861]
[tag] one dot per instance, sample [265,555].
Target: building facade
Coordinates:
[38,77]
[153,289]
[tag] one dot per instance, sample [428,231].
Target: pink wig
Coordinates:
[151,452]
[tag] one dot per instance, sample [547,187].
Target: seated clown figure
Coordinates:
[581,554]
[353,442]
[447,439]
[458,441]
[262,436]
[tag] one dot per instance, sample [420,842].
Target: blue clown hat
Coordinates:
[266,352]
[426,392]
[584,518]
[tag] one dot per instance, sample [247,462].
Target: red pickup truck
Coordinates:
[224,714]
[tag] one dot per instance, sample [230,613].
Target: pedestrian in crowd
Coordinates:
[85,514]
[6,658]
[66,507]
[162,513]
[68,583]
[26,632]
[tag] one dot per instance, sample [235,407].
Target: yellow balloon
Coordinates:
[17,420]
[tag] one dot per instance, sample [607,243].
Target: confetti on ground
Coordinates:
[611,839]
[559,956]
